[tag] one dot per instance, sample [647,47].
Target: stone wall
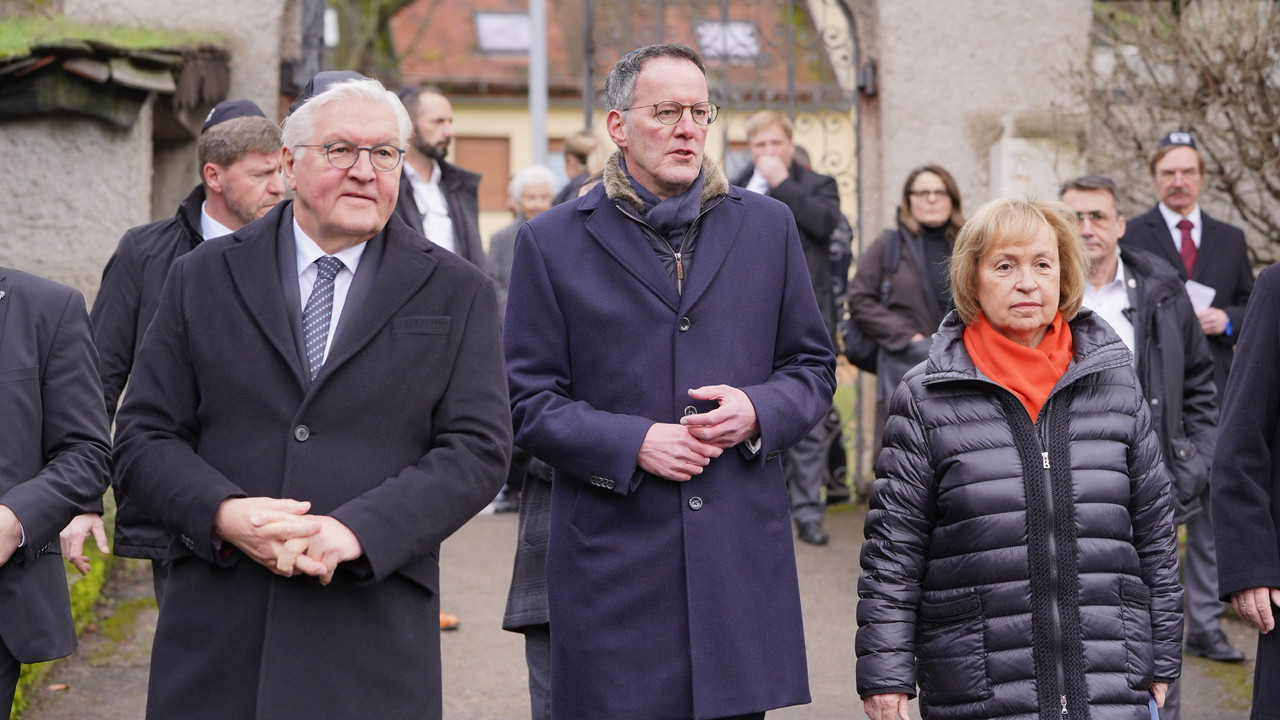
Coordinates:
[81,183]
[953,80]
[73,187]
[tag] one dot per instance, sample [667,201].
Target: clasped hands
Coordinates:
[679,452]
[279,535]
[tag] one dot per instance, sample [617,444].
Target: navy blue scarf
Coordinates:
[673,216]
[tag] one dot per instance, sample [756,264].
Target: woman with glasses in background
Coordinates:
[916,295]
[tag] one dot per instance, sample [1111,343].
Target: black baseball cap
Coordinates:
[229,110]
[1178,137]
[322,81]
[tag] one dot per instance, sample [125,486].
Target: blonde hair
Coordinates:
[1010,218]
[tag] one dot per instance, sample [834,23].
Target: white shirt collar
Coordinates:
[306,251]
[1172,218]
[210,228]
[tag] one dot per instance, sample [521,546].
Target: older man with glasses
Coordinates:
[1145,301]
[318,404]
[664,348]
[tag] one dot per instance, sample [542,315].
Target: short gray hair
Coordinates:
[300,125]
[620,86]
[532,175]
[229,141]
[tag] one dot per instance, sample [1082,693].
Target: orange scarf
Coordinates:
[1029,373]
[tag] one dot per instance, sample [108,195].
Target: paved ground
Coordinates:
[484,667]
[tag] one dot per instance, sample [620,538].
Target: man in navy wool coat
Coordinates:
[663,349]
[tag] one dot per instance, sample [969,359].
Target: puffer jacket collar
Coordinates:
[1096,347]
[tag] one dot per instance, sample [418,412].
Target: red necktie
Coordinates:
[1188,245]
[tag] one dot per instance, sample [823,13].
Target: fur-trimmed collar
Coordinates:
[617,187]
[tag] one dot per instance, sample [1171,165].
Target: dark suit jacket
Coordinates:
[461,192]
[1222,263]
[403,436]
[55,453]
[814,200]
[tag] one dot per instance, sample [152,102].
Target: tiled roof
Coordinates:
[437,43]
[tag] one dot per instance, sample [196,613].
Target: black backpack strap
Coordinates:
[889,264]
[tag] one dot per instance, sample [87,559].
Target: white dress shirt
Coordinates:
[1110,303]
[430,200]
[1172,218]
[758,184]
[307,252]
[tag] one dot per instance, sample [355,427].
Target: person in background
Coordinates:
[1214,255]
[437,198]
[240,181]
[1246,486]
[929,219]
[1143,300]
[1020,556]
[663,349]
[579,149]
[528,194]
[55,463]
[526,611]
[814,201]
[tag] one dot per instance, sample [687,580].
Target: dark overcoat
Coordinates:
[403,436]
[667,599]
[55,454]
[1245,485]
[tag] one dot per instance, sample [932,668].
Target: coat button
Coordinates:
[685,324]
[301,433]
[690,410]
[1155,401]
[695,503]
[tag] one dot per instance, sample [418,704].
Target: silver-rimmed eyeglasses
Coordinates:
[342,155]
[669,112]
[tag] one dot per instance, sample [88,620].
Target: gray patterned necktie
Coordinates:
[319,311]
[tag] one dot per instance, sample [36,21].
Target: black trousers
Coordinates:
[10,669]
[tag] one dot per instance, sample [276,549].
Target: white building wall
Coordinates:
[954,78]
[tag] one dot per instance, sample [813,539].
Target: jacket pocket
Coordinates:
[421,325]
[951,651]
[1190,472]
[1135,616]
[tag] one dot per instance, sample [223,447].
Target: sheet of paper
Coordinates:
[1201,295]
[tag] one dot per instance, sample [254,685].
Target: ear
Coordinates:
[1120,225]
[617,125]
[287,159]
[212,175]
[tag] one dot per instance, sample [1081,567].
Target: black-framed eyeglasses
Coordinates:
[1096,217]
[669,112]
[343,155]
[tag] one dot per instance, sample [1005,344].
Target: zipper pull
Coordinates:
[1062,698]
[679,267]
[1045,456]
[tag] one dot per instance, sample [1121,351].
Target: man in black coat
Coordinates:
[438,199]
[239,152]
[1246,486]
[1213,254]
[814,200]
[1143,299]
[318,403]
[54,463]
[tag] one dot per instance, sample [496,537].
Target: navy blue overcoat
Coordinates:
[667,600]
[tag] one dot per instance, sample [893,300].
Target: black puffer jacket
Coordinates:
[1020,570]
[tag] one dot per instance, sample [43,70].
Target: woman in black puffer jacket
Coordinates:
[1020,557]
